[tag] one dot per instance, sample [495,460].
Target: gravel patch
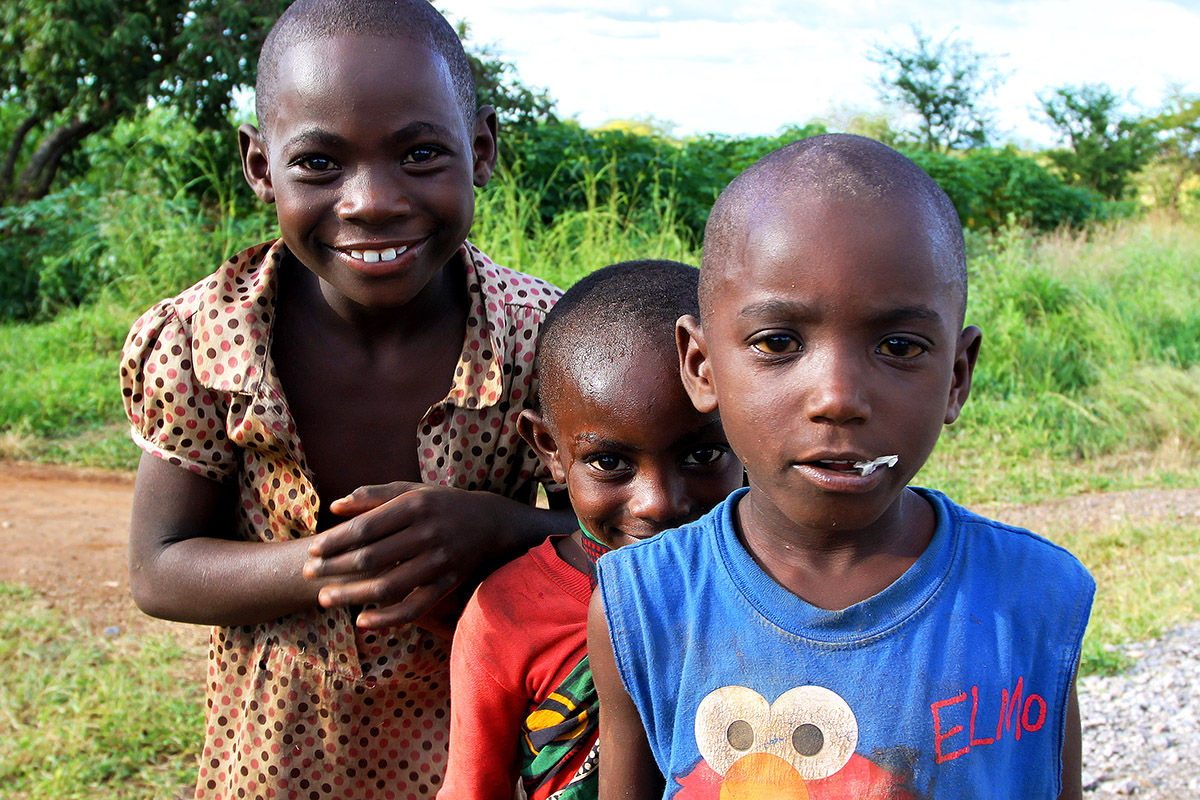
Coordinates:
[1141,729]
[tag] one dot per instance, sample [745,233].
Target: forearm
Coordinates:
[223,582]
[186,563]
[525,527]
[405,546]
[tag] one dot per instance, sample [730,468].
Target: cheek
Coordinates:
[590,498]
[295,215]
[752,428]
[717,488]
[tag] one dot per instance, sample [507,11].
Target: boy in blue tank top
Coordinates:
[831,631]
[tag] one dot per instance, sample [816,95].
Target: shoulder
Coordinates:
[504,288]
[534,586]
[520,575]
[666,569]
[529,607]
[1011,552]
[669,549]
[185,356]
[237,281]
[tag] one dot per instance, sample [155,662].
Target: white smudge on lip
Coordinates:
[865,468]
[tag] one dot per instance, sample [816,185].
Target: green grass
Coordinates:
[84,716]
[1089,374]
[1146,574]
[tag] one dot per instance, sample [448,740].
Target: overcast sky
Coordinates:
[752,66]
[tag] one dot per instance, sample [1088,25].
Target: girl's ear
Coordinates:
[256,166]
[965,356]
[536,432]
[484,146]
[694,366]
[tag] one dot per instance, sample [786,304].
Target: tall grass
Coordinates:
[1090,364]
[609,228]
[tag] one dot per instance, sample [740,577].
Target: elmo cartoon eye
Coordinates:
[772,750]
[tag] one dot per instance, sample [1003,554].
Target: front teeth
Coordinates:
[865,468]
[375,256]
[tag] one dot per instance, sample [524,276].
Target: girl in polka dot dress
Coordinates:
[369,343]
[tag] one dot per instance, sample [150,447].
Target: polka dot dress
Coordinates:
[308,706]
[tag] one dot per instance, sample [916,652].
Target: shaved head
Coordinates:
[621,312]
[852,172]
[414,20]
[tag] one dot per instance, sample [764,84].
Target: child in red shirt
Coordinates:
[616,427]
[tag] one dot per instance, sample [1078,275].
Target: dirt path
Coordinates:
[65,532]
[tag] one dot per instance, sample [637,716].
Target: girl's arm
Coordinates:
[628,770]
[185,563]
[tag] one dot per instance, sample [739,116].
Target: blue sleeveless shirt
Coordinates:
[950,683]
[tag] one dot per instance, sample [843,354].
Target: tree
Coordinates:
[73,67]
[945,84]
[1104,147]
[498,85]
[1178,154]
[879,125]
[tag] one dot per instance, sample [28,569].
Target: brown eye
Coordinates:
[316,163]
[776,344]
[704,456]
[422,155]
[607,462]
[901,347]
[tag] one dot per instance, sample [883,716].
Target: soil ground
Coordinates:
[65,533]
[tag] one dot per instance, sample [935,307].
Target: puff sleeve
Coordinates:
[172,416]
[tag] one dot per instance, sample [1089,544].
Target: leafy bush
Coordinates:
[50,253]
[569,168]
[994,188]
[159,205]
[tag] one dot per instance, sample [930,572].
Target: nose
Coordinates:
[838,392]
[659,496]
[372,195]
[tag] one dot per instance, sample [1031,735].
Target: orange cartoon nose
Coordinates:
[762,776]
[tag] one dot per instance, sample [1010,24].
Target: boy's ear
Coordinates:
[485,145]
[536,432]
[965,356]
[694,366]
[255,164]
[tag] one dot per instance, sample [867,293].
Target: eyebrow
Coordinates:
[314,137]
[905,313]
[705,431]
[784,309]
[599,441]
[321,138]
[419,128]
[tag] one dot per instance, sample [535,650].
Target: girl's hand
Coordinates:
[409,545]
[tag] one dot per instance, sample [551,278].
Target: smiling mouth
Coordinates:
[376,256]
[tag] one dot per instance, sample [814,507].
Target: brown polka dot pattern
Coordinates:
[308,706]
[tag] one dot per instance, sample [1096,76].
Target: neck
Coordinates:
[832,567]
[425,313]
[570,549]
